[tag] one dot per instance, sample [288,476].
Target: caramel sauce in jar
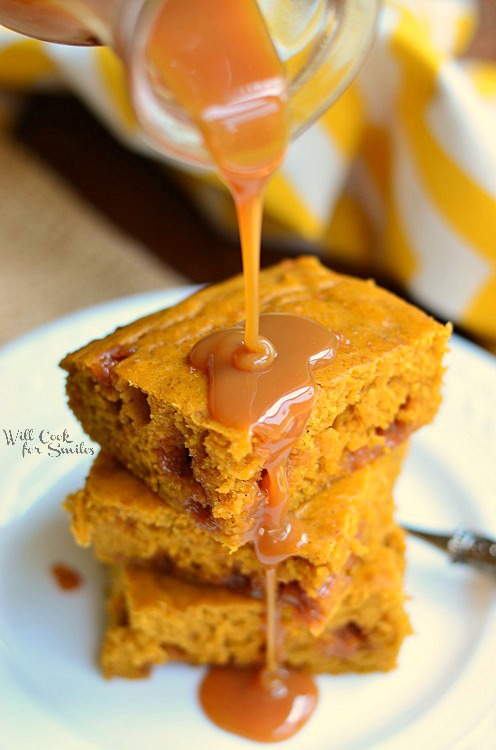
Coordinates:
[218,61]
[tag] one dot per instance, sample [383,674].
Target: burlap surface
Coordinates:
[56,253]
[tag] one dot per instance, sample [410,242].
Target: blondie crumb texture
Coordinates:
[126,522]
[136,394]
[155,618]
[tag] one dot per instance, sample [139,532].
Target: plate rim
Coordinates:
[160,297]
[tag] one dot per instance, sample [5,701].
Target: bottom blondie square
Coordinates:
[126,522]
[156,618]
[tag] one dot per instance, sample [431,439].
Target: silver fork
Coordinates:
[463,546]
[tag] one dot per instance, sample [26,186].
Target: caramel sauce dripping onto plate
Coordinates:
[273,400]
[255,711]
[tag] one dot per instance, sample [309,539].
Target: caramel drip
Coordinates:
[67,578]
[255,711]
[273,402]
[218,61]
[271,651]
[270,395]
[249,208]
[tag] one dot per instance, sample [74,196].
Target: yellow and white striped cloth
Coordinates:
[398,176]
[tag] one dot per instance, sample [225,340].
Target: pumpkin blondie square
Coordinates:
[137,395]
[155,618]
[126,522]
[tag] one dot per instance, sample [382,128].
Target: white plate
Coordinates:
[51,694]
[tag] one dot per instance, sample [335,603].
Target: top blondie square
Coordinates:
[136,393]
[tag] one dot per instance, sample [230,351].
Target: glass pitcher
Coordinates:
[321,44]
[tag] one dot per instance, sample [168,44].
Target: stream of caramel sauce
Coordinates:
[219,62]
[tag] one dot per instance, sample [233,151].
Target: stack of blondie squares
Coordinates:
[171,498]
